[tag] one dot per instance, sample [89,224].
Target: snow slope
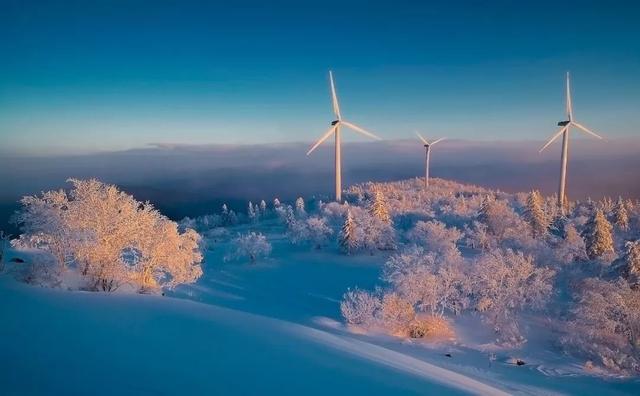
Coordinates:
[270,328]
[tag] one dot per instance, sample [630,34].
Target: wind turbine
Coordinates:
[427,147]
[335,130]
[564,131]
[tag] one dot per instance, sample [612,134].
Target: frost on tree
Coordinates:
[620,216]
[250,246]
[534,215]
[605,325]
[378,208]
[348,239]
[251,212]
[597,236]
[359,307]
[300,210]
[263,207]
[436,237]
[505,283]
[630,266]
[109,237]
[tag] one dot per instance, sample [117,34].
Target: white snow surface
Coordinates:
[269,328]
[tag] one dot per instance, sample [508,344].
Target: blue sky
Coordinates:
[91,76]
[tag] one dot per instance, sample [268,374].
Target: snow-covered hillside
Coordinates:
[274,326]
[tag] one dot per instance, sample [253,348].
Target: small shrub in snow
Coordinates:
[250,245]
[359,307]
[396,313]
[430,327]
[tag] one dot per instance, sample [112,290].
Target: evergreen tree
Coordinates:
[378,208]
[276,203]
[535,216]
[631,263]
[300,211]
[620,216]
[263,207]
[485,209]
[348,238]
[597,236]
[251,212]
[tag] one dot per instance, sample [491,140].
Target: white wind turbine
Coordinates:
[335,130]
[564,131]
[427,147]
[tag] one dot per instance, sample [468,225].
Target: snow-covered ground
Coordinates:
[269,328]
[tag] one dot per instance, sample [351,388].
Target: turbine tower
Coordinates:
[427,147]
[564,131]
[334,129]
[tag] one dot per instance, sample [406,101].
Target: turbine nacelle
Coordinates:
[563,123]
[335,122]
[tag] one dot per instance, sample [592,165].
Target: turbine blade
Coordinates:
[323,138]
[421,138]
[553,138]
[360,130]
[585,129]
[439,140]
[334,97]
[569,104]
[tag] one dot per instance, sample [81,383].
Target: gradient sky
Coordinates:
[107,75]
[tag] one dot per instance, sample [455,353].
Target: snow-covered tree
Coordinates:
[620,216]
[499,217]
[251,212]
[359,307]
[251,245]
[606,325]
[477,236]
[597,236]
[319,231]
[506,282]
[377,234]
[276,203]
[348,239]
[228,217]
[534,215]
[429,283]
[435,236]
[378,208]
[286,216]
[300,210]
[396,313]
[110,238]
[571,247]
[263,207]
[630,266]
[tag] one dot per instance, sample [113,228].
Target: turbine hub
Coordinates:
[563,123]
[335,122]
